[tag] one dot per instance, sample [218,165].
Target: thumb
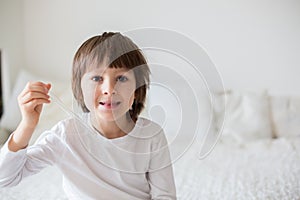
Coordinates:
[39,108]
[48,85]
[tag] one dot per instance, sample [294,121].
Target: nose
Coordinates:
[108,87]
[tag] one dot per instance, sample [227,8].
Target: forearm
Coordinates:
[11,165]
[14,166]
[21,137]
[162,184]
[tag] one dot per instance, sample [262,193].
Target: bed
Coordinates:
[256,157]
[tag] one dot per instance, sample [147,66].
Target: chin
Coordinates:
[110,117]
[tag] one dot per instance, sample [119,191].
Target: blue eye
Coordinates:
[122,78]
[96,78]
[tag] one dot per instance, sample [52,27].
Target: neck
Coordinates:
[112,129]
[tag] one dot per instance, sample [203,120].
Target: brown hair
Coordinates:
[118,51]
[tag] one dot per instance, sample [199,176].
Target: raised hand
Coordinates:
[30,101]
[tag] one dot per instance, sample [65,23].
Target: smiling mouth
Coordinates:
[110,105]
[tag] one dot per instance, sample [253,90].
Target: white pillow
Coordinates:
[4,134]
[286,116]
[247,117]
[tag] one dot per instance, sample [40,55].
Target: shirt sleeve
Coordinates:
[14,166]
[160,174]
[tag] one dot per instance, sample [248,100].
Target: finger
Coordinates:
[33,95]
[35,87]
[34,103]
[43,88]
[48,85]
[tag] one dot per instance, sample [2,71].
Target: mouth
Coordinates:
[109,104]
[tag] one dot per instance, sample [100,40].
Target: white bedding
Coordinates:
[45,185]
[265,169]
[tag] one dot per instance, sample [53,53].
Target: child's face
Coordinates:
[108,92]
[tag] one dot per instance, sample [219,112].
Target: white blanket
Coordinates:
[265,169]
[45,185]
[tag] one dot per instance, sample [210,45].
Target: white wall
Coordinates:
[12,34]
[254,44]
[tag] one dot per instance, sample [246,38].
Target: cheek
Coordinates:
[131,100]
[128,94]
[131,96]
[88,92]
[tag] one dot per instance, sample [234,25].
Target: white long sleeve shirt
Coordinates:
[135,166]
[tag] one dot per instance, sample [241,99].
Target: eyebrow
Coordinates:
[102,71]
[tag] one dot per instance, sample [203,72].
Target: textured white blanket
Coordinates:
[266,169]
[45,185]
